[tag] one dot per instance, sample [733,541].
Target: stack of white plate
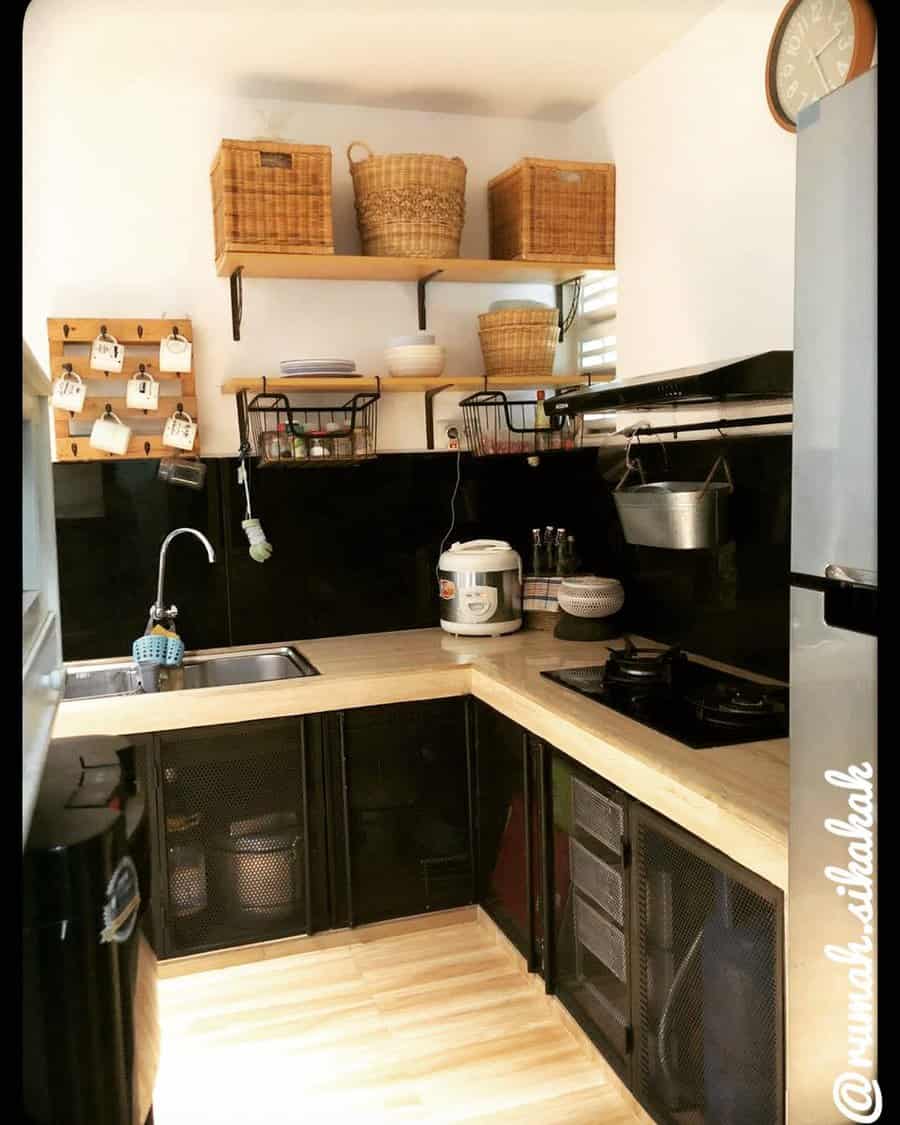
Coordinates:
[517,303]
[317,368]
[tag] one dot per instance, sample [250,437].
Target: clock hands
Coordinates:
[814,59]
[829,42]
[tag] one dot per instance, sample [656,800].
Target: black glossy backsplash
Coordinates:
[355,548]
[730,604]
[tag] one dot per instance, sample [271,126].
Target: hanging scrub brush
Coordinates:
[260,547]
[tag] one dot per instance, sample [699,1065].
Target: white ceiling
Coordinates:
[512,58]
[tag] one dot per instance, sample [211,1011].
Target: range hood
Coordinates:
[750,378]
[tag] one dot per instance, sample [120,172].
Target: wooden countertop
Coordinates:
[735,798]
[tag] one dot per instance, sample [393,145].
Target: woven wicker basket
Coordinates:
[554,210]
[409,205]
[272,196]
[507,318]
[519,349]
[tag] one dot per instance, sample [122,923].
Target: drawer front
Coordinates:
[598,816]
[601,938]
[597,881]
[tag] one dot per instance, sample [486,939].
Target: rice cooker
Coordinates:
[481,588]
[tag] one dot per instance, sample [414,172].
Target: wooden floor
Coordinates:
[436,1026]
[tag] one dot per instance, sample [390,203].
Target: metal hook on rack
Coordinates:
[632,466]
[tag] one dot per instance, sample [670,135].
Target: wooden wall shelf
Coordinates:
[70,341]
[389,383]
[238,264]
[356,267]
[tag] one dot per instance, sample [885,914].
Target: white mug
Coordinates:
[142,392]
[68,392]
[107,354]
[109,434]
[180,431]
[174,353]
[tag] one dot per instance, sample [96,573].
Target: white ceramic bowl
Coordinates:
[417,359]
[420,339]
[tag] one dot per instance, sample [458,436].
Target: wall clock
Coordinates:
[817,46]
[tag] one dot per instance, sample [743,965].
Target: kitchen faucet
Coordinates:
[159,611]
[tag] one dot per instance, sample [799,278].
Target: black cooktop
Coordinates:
[668,691]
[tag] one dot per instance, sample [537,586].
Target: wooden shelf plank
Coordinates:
[80,449]
[86,329]
[95,407]
[390,384]
[356,267]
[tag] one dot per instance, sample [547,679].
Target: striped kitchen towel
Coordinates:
[539,594]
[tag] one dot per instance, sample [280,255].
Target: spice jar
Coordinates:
[298,443]
[271,445]
[361,442]
[319,446]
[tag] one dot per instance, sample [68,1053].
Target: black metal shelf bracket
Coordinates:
[429,412]
[243,427]
[566,318]
[420,292]
[237,301]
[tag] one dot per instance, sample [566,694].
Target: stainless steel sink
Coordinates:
[96,681]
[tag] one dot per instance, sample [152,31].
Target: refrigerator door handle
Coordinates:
[852,574]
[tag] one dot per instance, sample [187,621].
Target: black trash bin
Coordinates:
[90,1031]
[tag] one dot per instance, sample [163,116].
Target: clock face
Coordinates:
[815,50]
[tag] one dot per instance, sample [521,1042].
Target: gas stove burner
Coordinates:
[588,680]
[723,704]
[645,666]
[667,691]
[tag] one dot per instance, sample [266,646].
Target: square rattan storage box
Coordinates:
[272,197]
[554,210]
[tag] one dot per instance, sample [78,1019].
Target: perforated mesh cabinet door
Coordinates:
[708,964]
[237,848]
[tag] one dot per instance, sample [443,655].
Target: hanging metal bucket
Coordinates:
[680,515]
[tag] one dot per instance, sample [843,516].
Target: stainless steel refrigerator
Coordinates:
[831,1023]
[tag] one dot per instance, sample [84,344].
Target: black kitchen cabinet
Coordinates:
[591,970]
[708,967]
[513,803]
[400,809]
[242,852]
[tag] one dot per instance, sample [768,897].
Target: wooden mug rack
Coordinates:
[70,343]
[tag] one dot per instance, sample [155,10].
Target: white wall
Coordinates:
[117,215]
[705,197]
[118,222]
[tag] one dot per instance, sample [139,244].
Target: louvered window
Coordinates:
[597,324]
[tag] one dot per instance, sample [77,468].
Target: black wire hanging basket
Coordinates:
[279,432]
[498,426]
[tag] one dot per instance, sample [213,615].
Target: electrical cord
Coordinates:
[449,532]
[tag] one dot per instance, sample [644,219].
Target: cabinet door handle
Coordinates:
[529,890]
[345,787]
